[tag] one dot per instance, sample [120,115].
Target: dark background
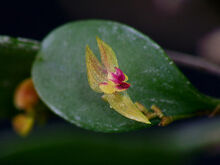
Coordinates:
[174,24]
[180,25]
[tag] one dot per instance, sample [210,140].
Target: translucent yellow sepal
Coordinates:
[95,70]
[108,56]
[122,103]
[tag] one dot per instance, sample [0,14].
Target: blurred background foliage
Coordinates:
[188,26]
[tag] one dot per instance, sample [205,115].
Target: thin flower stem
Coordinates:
[216,111]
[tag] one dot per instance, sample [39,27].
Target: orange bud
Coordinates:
[25,95]
[22,124]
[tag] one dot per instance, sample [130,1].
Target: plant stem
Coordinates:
[194,62]
[11,44]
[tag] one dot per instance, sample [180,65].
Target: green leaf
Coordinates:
[17,55]
[59,74]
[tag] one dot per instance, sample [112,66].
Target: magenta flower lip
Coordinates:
[123,86]
[119,78]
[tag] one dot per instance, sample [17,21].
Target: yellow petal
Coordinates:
[108,88]
[22,124]
[122,103]
[108,56]
[95,70]
[126,77]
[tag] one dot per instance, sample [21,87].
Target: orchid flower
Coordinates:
[107,78]
[116,82]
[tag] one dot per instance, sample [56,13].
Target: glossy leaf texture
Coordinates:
[17,55]
[59,74]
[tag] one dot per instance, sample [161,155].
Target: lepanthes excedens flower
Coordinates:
[116,82]
[107,78]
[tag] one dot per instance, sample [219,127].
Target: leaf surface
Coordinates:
[59,74]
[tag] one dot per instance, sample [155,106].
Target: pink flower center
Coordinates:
[123,86]
[118,77]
